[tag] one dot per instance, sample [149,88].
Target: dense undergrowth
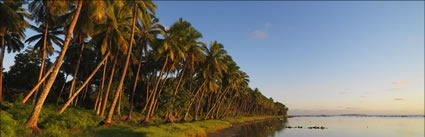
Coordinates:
[82,122]
[13,116]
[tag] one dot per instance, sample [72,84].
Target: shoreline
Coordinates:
[235,126]
[187,129]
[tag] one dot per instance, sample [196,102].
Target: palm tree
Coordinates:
[188,38]
[146,8]
[45,39]
[111,35]
[32,120]
[212,70]
[168,48]
[145,37]
[12,27]
[85,27]
[46,13]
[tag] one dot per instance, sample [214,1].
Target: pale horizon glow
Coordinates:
[320,57]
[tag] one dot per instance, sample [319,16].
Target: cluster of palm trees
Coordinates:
[116,51]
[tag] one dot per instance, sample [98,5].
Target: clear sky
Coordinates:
[319,57]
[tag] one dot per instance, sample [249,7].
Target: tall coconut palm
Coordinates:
[145,37]
[146,8]
[168,49]
[46,13]
[32,120]
[212,70]
[112,35]
[45,39]
[85,29]
[12,27]
[188,38]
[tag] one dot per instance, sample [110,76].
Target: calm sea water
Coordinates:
[340,126]
[337,126]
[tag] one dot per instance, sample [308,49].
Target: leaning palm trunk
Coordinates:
[74,77]
[217,102]
[108,119]
[102,84]
[169,118]
[146,120]
[118,110]
[162,87]
[191,102]
[32,120]
[148,97]
[82,87]
[39,83]
[43,60]
[60,93]
[1,67]
[198,106]
[111,78]
[134,88]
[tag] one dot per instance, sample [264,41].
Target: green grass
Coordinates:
[77,121]
[188,129]
[14,115]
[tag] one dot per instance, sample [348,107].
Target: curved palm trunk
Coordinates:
[108,119]
[198,106]
[162,87]
[82,87]
[1,67]
[192,101]
[74,77]
[146,120]
[169,118]
[148,97]
[134,88]
[32,120]
[218,101]
[102,84]
[118,110]
[60,93]
[43,60]
[39,83]
[111,78]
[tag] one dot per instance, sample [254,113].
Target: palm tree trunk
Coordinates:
[111,77]
[74,77]
[174,97]
[148,97]
[1,67]
[118,110]
[198,105]
[39,83]
[43,59]
[60,93]
[146,120]
[82,87]
[101,89]
[32,120]
[108,119]
[192,101]
[135,86]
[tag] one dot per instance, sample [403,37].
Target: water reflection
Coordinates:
[263,129]
[336,127]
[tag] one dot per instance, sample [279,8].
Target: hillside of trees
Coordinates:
[114,58]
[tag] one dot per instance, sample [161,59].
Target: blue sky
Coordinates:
[319,57]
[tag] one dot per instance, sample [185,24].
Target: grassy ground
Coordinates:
[82,122]
[187,129]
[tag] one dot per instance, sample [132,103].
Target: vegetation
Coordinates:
[133,69]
